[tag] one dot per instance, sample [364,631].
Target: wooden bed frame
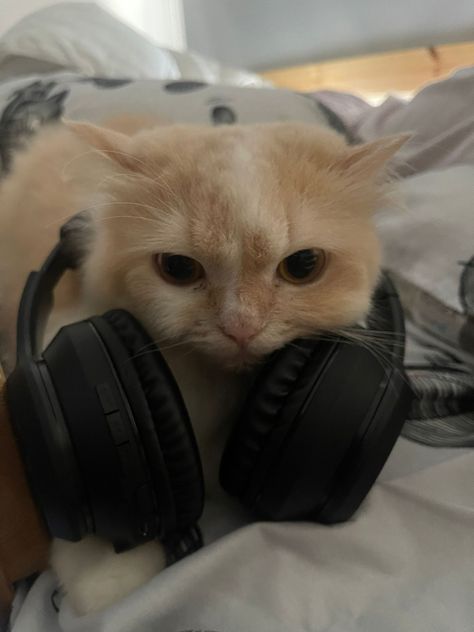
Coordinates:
[404,71]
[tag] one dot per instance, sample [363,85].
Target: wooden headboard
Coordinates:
[402,71]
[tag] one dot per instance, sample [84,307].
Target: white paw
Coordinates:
[93,576]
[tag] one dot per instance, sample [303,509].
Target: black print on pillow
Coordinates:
[28,109]
[223,115]
[466,296]
[104,82]
[466,287]
[56,598]
[184,86]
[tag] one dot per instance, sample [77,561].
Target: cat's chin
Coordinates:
[242,362]
[237,362]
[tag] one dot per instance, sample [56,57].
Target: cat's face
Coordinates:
[237,240]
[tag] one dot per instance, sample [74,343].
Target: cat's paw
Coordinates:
[94,577]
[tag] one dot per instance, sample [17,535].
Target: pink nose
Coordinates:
[241,334]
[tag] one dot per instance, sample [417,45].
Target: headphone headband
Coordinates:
[36,303]
[387,315]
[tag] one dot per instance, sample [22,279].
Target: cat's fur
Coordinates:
[238,199]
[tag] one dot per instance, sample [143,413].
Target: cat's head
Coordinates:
[236,240]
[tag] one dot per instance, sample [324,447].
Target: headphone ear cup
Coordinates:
[173,431]
[241,464]
[315,432]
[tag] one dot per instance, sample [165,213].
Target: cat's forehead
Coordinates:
[243,194]
[231,204]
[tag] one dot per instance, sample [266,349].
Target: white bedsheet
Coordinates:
[405,563]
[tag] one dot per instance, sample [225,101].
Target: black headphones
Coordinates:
[109,449]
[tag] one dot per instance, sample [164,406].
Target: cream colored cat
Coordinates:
[226,243]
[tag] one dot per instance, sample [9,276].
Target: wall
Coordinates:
[268,33]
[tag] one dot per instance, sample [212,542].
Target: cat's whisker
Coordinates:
[159,348]
[185,354]
[149,207]
[103,186]
[367,337]
[388,335]
[97,153]
[126,154]
[61,219]
[75,159]
[159,345]
[159,185]
[158,179]
[162,183]
[132,217]
[384,355]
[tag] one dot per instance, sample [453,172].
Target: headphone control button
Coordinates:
[117,428]
[106,397]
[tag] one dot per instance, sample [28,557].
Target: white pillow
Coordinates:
[83,37]
[195,66]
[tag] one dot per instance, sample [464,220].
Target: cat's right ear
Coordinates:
[115,146]
[369,159]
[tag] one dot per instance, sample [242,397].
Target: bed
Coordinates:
[405,562]
[400,72]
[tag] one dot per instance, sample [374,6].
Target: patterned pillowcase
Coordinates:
[28,103]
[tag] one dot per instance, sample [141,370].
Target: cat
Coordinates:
[226,243]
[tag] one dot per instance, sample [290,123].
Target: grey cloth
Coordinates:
[427,248]
[441,117]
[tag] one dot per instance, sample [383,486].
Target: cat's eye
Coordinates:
[178,269]
[302,266]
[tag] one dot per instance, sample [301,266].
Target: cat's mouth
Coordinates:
[243,360]
[233,357]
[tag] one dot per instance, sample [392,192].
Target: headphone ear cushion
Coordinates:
[170,418]
[262,413]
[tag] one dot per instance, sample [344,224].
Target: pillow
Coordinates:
[29,102]
[85,38]
[18,65]
[195,66]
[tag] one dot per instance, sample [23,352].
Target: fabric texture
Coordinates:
[403,564]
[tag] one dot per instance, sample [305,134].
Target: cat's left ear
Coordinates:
[113,145]
[370,159]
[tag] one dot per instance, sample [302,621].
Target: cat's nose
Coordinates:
[240,333]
